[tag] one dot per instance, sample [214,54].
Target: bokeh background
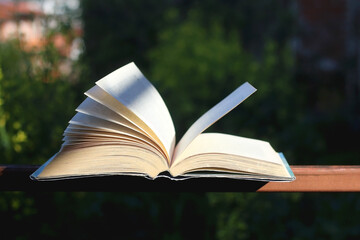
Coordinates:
[303,56]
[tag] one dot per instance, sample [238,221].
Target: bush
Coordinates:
[35,105]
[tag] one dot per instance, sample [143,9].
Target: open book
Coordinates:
[123,127]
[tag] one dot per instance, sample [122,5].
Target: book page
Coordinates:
[101,160]
[95,109]
[102,97]
[211,116]
[94,122]
[222,154]
[219,143]
[76,133]
[130,87]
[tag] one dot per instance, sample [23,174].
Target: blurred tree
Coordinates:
[118,32]
[191,61]
[277,216]
[195,52]
[255,21]
[184,49]
[194,67]
[35,105]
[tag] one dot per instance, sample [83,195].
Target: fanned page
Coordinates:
[211,116]
[122,127]
[130,87]
[126,117]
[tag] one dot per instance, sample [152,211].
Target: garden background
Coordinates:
[302,56]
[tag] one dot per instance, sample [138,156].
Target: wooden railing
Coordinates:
[308,179]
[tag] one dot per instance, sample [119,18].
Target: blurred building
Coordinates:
[26,21]
[21,20]
[328,55]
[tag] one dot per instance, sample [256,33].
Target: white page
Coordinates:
[130,87]
[93,108]
[220,143]
[94,122]
[212,115]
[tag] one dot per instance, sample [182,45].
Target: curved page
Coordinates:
[94,122]
[101,96]
[130,87]
[211,116]
[95,109]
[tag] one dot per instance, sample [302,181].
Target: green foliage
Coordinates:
[35,105]
[118,32]
[279,216]
[195,66]
[190,62]
[81,215]
[195,52]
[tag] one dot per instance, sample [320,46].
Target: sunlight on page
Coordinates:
[130,87]
[99,95]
